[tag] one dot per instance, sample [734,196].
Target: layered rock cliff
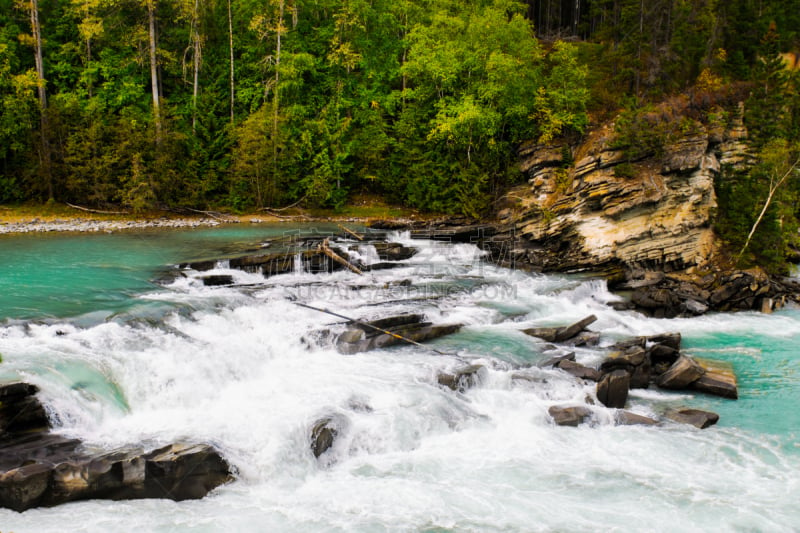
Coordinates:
[604,210]
[646,223]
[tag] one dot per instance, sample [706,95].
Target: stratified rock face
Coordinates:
[652,213]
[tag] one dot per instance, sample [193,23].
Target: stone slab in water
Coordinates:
[719,379]
[681,374]
[563,333]
[569,416]
[578,370]
[627,418]
[695,417]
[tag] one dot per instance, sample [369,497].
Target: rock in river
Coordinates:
[38,468]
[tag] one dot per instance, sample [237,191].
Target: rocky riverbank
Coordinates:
[84,225]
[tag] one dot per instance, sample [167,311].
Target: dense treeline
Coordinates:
[252,103]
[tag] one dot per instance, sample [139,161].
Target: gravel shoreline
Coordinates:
[80,225]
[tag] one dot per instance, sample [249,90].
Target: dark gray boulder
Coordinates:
[394,251]
[217,280]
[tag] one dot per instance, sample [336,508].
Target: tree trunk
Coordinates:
[36,29]
[276,100]
[773,188]
[230,43]
[197,56]
[151,16]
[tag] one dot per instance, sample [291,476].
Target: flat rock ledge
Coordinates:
[42,469]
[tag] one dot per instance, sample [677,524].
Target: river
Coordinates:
[121,359]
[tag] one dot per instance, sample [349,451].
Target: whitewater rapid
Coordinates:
[239,367]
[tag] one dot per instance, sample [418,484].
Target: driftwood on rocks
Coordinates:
[409,329]
[326,249]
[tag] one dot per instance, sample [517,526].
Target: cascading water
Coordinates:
[240,368]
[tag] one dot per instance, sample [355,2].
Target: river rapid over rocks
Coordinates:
[194,342]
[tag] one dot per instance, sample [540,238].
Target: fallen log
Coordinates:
[326,249]
[351,232]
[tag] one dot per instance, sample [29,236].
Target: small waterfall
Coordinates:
[299,268]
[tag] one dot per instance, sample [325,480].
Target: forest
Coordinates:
[244,104]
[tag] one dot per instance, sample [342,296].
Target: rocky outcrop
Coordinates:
[646,221]
[595,213]
[38,468]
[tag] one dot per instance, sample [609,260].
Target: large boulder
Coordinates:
[718,380]
[394,251]
[681,374]
[20,410]
[612,390]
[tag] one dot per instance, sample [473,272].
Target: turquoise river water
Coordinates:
[122,358]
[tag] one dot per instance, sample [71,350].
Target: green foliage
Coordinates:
[742,195]
[422,102]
